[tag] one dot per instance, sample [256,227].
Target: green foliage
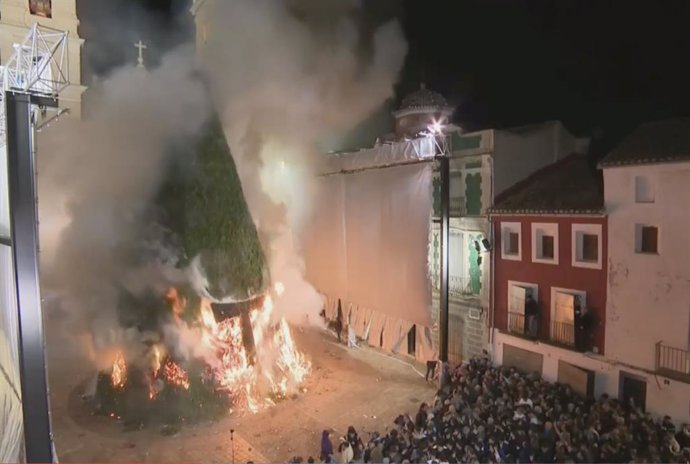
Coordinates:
[205,207]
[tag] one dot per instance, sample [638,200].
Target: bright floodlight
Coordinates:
[435,128]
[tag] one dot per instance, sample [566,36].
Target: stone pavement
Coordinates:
[363,388]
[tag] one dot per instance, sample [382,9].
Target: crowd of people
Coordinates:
[498,415]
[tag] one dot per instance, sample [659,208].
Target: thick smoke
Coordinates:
[97,177]
[289,73]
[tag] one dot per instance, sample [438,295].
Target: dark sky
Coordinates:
[594,64]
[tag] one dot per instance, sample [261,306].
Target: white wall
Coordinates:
[664,396]
[605,372]
[522,151]
[648,295]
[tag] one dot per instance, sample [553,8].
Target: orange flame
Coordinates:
[119,375]
[156,361]
[175,375]
[279,367]
[279,363]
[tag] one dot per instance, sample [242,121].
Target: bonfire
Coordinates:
[233,369]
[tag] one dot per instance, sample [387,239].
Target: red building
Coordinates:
[549,267]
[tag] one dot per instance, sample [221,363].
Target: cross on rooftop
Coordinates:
[140,61]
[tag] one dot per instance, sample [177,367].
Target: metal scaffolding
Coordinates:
[31,81]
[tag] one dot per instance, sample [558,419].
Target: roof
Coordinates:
[423,98]
[653,142]
[568,186]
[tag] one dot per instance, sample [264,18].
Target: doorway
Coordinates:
[633,388]
[412,341]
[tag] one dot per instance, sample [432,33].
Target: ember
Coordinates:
[175,375]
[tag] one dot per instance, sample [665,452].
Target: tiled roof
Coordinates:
[654,142]
[569,186]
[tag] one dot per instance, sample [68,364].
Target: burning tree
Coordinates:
[239,354]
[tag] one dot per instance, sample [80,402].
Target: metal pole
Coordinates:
[23,215]
[445,243]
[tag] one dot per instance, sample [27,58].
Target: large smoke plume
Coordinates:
[284,74]
[288,74]
[97,178]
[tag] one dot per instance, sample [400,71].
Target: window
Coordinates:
[590,248]
[564,303]
[518,294]
[547,247]
[513,243]
[41,8]
[545,243]
[646,239]
[511,247]
[587,245]
[644,190]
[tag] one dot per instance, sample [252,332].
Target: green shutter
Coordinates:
[435,264]
[473,194]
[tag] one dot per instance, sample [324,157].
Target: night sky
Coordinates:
[600,66]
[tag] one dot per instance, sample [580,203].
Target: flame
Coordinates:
[156,361]
[175,375]
[119,375]
[291,361]
[278,367]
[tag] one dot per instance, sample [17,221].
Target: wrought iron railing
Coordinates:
[516,323]
[463,286]
[672,360]
[458,206]
[563,333]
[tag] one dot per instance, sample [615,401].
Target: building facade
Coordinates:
[483,164]
[627,265]
[549,292]
[647,179]
[17,17]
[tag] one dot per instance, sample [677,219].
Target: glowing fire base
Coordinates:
[221,378]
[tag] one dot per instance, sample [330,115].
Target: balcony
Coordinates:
[673,362]
[516,323]
[463,287]
[561,334]
[458,207]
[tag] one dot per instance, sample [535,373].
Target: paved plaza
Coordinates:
[360,387]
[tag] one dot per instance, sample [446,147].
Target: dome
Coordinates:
[423,98]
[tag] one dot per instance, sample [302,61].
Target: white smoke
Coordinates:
[288,73]
[98,175]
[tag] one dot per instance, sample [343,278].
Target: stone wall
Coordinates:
[467,332]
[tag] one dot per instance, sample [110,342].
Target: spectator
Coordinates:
[345,451]
[326,446]
[497,415]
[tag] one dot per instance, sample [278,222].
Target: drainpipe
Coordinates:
[492,260]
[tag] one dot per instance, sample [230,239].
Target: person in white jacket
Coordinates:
[351,336]
[345,451]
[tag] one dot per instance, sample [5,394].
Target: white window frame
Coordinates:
[637,181]
[551,229]
[638,240]
[593,229]
[515,283]
[571,291]
[507,227]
